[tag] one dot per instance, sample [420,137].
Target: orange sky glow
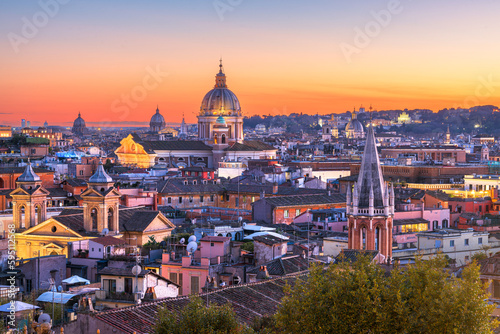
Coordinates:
[278,60]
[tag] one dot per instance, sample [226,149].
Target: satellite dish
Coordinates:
[105,231]
[192,247]
[136,270]
[244,224]
[44,318]
[240,218]
[192,239]
[60,288]
[182,241]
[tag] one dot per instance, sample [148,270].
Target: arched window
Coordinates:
[377,238]
[445,223]
[22,210]
[93,215]
[223,140]
[111,216]
[363,238]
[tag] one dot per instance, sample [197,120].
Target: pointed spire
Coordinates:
[157,109]
[370,174]
[221,69]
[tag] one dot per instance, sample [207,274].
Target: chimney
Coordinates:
[262,194]
[275,188]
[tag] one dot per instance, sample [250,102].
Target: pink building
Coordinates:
[191,273]
[410,218]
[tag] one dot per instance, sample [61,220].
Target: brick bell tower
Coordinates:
[370,205]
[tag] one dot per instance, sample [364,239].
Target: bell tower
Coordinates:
[100,203]
[29,200]
[370,205]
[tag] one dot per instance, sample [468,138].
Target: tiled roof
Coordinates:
[284,266]
[278,201]
[109,241]
[20,170]
[438,194]
[268,189]
[269,240]
[490,266]
[177,186]
[138,220]
[250,145]
[248,302]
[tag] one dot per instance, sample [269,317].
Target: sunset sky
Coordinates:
[279,57]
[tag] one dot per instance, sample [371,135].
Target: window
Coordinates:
[297,212]
[190,199]
[227,197]
[81,172]
[173,277]
[128,285]
[244,198]
[195,284]
[466,242]
[109,285]
[480,241]
[496,289]
[169,200]
[211,244]
[253,199]
[92,248]
[201,198]
[180,200]
[180,283]
[285,213]
[452,243]
[211,198]
[99,249]
[237,202]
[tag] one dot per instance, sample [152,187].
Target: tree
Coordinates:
[195,318]
[360,298]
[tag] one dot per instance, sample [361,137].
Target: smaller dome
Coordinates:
[29,175]
[100,176]
[354,125]
[220,120]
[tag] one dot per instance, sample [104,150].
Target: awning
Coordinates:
[58,297]
[75,279]
[258,234]
[17,306]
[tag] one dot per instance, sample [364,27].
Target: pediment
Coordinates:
[91,192]
[46,228]
[53,245]
[19,191]
[159,222]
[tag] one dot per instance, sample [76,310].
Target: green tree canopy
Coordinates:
[361,298]
[196,318]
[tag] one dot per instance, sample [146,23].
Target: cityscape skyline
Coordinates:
[64,57]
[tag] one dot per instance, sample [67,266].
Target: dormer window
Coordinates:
[185,182]
[195,182]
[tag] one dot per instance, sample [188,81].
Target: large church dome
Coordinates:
[220,100]
[157,122]
[79,125]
